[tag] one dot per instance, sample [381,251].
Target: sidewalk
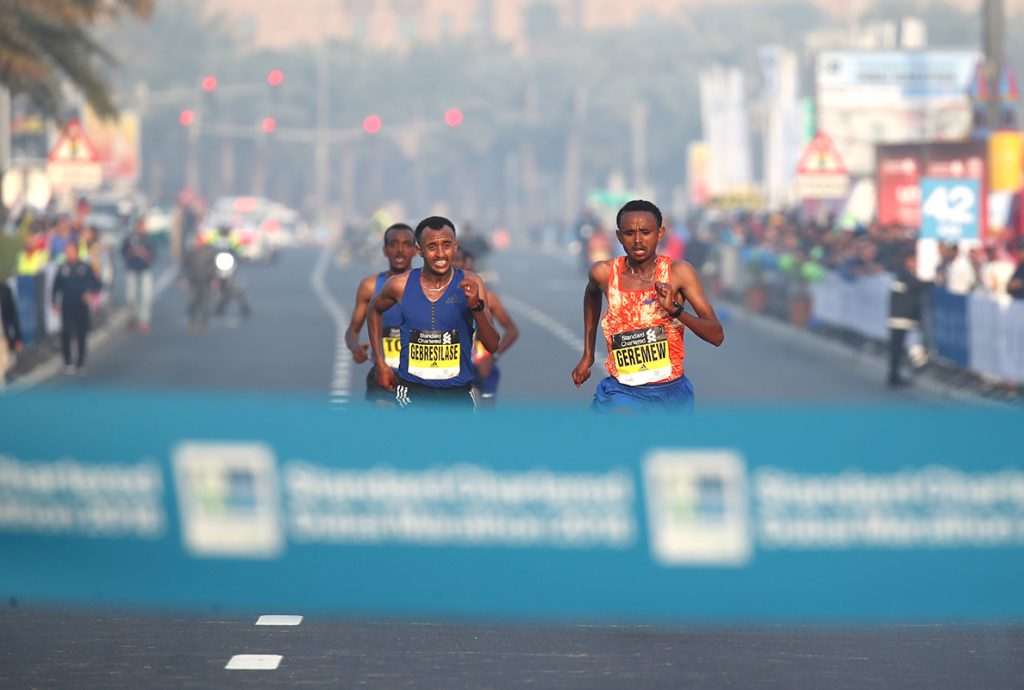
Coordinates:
[43,359]
[936,378]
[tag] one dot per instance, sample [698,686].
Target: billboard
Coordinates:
[898,180]
[872,97]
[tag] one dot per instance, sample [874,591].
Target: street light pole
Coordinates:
[993,37]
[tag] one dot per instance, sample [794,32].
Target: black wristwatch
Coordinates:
[479,307]
[679,310]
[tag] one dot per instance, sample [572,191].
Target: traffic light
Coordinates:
[371,124]
[209,84]
[453,117]
[275,77]
[268,125]
[186,118]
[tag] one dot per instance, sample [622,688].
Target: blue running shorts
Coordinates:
[489,384]
[672,396]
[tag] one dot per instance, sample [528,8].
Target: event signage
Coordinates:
[950,209]
[751,515]
[899,185]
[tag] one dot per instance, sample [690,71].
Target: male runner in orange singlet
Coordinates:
[645,320]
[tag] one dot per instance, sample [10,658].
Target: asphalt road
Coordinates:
[75,649]
[290,345]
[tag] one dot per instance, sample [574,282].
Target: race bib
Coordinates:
[392,346]
[641,356]
[434,355]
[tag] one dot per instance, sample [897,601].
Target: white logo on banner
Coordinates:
[697,509]
[228,499]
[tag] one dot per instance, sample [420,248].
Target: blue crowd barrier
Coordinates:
[732,515]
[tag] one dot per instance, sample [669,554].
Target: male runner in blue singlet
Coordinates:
[441,307]
[399,248]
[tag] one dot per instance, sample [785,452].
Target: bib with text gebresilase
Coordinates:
[392,345]
[641,356]
[434,355]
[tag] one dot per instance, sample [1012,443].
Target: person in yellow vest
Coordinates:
[34,255]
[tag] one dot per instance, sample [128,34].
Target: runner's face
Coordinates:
[399,249]
[639,235]
[437,247]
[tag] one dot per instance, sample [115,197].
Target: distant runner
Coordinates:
[485,363]
[399,248]
[442,308]
[645,320]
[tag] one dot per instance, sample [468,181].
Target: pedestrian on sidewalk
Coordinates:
[74,288]
[10,330]
[138,252]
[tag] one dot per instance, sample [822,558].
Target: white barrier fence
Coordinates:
[995,327]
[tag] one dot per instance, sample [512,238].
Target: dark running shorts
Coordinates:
[417,395]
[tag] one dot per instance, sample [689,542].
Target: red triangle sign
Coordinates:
[821,156]
[73,146]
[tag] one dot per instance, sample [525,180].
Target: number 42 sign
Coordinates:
[950,208]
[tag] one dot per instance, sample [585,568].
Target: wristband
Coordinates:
[679,310]
[479,307]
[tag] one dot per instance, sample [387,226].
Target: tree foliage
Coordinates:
[45,41]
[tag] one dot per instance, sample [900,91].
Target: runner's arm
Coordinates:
[363,296]
[705,324]
[388,297]
[473,287]
[501,315]
[592,295]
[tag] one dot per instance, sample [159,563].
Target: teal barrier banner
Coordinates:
[748,515]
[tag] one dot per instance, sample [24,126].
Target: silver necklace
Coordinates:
[640,275]
[438,289]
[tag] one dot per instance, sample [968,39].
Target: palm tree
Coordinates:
[43,42]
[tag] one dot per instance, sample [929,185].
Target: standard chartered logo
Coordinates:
[697,508]
[228,499]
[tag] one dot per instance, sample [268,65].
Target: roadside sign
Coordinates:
[73,163]
[950,208]
[821,172]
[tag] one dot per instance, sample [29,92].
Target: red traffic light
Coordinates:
[268,125]
[186,118]
[209,84]
[453,117]
[275,77]
[371,124]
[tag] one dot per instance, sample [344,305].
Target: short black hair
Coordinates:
[639,205]
[396,226]
[434,223]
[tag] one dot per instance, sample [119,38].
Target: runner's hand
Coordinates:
[361,353]
[665,296]
[386,378]
[582,371]
[471,290]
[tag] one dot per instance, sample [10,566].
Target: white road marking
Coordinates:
[279,620]
[254,662]
[341,381]
[97,340]
[573,341]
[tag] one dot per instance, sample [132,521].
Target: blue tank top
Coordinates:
[392,322]
[437,337]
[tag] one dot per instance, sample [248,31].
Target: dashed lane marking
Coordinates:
[279,620]
[342,371]
[254,662]
[546,322]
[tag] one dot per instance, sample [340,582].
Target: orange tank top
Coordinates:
[644,344]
